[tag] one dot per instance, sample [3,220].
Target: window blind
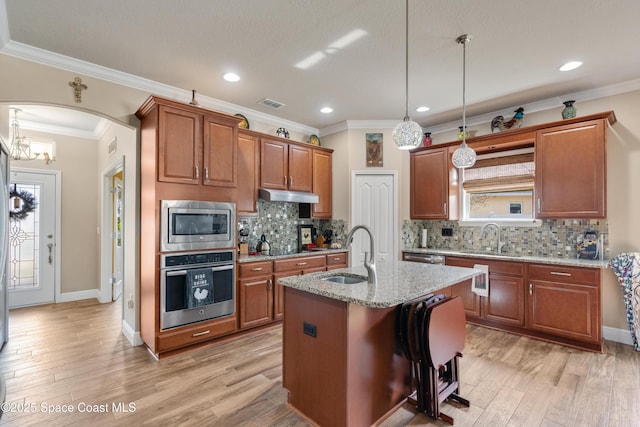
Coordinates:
[510,172]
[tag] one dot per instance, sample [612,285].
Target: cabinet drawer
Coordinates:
[255,269]
[511,268]
[193,334]
[559,273]
[302,263]
[337,259]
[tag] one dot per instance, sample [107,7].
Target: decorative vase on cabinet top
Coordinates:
[569,111]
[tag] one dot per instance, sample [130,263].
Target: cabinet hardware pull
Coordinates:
[301,263]
[559,273]
[256,269]
[199,334]
[290,181]
[530,289]
[538,204]
[445,207]
[270,284]
[197,172]
[336,259]
[285,180]
[206,173]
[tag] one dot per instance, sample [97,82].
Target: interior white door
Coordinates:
[32,240]
[117,228]
[374,204]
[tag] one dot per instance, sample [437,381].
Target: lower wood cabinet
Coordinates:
[261,298]
[565,301]
[551,302]
[256,293]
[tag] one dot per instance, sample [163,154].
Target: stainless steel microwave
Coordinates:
[191,224]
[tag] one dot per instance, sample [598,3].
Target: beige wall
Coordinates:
[76,159]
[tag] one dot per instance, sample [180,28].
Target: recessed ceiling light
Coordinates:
[570,66]
[422,109]
[326,110]
[231,77]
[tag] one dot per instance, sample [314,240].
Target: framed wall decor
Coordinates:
[305,236]
[374,149]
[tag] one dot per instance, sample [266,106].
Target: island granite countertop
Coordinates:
[398,282]
[593,263]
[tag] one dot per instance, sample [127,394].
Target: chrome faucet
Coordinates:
[500,242]
[370,262]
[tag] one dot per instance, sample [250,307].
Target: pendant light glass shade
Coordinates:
[407,134]
[464,156]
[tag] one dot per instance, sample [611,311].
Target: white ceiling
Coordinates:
[512,60]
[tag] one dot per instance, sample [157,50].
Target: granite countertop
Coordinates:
[398,282]
[252,258]
[594,263]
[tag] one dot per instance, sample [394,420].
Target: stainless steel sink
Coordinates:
[344,279]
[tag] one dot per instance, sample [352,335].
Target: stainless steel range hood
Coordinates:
[287,196]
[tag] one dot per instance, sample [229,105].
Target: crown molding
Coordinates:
[63,62]
[533,107]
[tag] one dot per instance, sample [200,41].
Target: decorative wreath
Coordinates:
[26,206]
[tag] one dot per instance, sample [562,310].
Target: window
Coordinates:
[499,187]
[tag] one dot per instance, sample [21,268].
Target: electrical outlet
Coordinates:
[310,329]
[447,232]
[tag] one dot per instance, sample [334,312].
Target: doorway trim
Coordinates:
[106,219]
[394,174]
[57,296]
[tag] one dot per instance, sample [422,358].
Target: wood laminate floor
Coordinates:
[73,356]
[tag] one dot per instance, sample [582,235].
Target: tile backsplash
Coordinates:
[554,238]
[279,221]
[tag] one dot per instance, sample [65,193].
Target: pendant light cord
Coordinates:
[406,60]
[464,39]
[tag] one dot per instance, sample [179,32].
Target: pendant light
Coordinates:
[407,134]
[464,156]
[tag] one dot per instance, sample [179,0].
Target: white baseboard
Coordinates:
[133,336]
[79,295]
[618,335]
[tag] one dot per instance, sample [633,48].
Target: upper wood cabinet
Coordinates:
[195,146]
[429,184]
[571,171]
[322,184]
[249,171]
[285,166]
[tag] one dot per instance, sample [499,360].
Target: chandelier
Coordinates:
[20,147]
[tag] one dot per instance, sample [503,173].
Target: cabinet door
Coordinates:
[429,184]
[256,301]
[274,164]
[568,310]
[322,185]
[220,153]
[505,302]
[300,168]
[249,172]
[470,300]
[571,171]
[179,146]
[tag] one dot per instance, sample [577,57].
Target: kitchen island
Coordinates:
[342,362]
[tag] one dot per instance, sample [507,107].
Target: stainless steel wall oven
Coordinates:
[196,286]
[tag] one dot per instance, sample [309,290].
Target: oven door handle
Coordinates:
[176,273]
[223,267]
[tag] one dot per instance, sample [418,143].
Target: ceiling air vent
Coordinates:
[271,103]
